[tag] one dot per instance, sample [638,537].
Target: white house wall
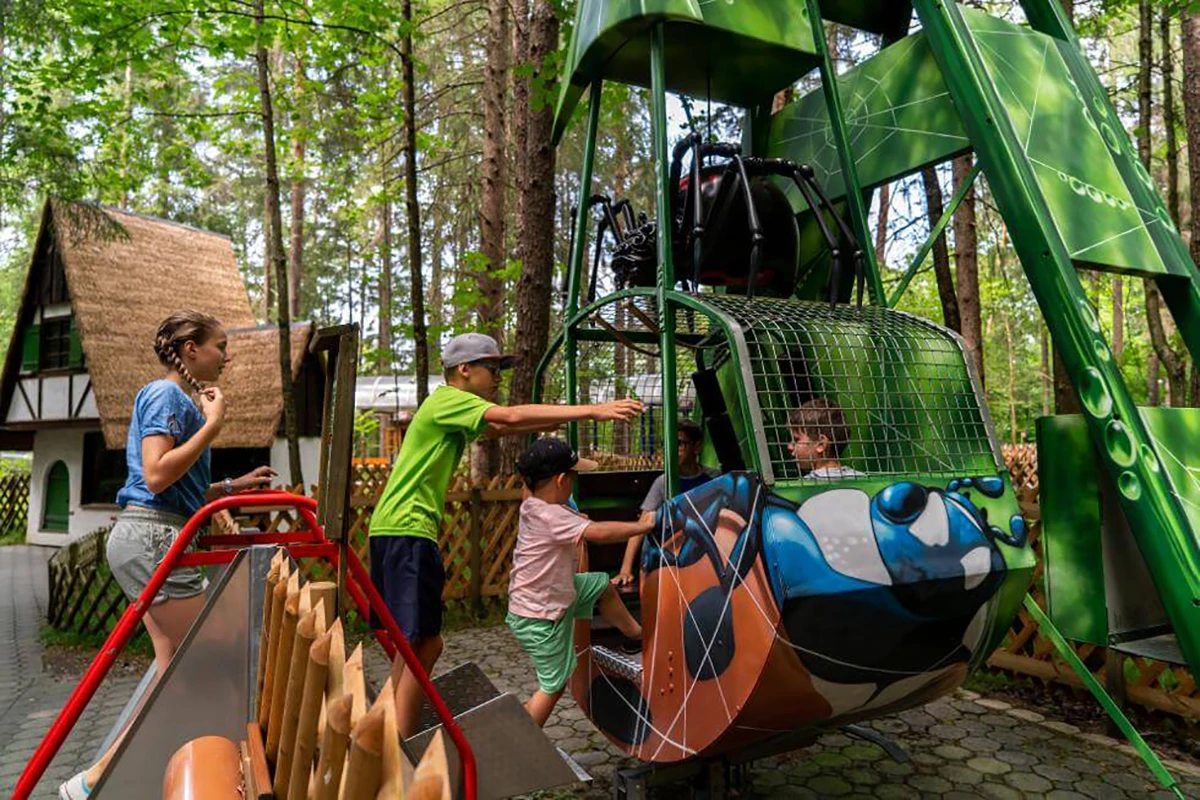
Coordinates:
[310,458]
[60,394]
[50,446]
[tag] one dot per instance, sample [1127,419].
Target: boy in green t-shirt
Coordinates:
[406,566]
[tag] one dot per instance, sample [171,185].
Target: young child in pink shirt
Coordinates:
[545,594]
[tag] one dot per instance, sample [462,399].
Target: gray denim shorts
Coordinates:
[138,543]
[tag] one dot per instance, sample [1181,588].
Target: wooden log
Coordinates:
[208,768]
[431,779]
[392,771]
[313,696]
[356,685]
[278,597]
[334,743]
[260,773]
[307,631]
[264,634]
[282,664]
[335,680]
[327,591]
[366,760]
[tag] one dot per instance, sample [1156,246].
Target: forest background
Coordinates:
[388,162]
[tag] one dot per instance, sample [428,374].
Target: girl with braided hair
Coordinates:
[167,455]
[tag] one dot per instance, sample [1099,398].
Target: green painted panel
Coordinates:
[899,118]
[1071,535]
[1070,154]
[1175,433]
[736,51]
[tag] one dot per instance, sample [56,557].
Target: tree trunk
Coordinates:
[966,258]
[1012,381]
[299,186]
[941,254]
[1170,116]
[492,203]
[412,210]
[537,204]
[518,127]
[1152,392]
[885,208]
[386,348]
[1191,112]
[1172,362]
[268,297]
[277,256]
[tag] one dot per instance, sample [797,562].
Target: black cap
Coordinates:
[548,457]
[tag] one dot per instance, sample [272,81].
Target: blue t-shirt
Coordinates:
[162,408]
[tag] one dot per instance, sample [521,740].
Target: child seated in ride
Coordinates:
[545,594]
[819,436]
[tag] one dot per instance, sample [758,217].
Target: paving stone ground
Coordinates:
[964,746]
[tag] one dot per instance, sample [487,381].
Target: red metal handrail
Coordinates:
[313,542]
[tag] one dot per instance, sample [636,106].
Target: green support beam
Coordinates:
[1156,518]
[959,195]
[575,268]
[837,120]
[1046,627]
[666,267]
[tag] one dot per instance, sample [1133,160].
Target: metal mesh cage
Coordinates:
[618,355]
[902,386]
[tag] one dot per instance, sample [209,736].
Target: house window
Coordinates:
[56,506]
[55,343]
[104,471]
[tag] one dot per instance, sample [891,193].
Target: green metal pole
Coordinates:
[666,267]
[1046,627]
[837,124]
[959,195]
[575,267]
[1163,533]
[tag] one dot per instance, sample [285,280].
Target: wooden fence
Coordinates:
[480,529]
[14,502]
[84,595]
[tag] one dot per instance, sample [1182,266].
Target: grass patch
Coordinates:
[15,535]
[74,640]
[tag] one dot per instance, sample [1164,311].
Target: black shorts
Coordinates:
[408,572]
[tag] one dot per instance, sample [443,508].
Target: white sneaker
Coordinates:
[75,788]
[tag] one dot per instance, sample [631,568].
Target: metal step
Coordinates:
[1164,647]
[618,663]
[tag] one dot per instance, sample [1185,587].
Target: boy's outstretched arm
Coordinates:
[508,420]
[618,531]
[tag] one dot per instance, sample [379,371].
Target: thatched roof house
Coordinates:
[99,283]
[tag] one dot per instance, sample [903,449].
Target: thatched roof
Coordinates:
[252,384]
[125,273]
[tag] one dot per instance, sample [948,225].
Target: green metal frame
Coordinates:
[746,398]
[948,214]
[1127,450]
[1167,539]
[837,119]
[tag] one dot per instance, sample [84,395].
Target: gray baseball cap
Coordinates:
[468,347]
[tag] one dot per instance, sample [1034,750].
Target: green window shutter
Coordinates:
[31,349]
[75,359]
[57,502]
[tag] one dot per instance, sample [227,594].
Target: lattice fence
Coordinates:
[14,502]
[84,596]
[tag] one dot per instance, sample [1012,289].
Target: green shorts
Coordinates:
[551,643]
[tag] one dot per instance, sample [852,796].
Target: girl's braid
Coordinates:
[180,327]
